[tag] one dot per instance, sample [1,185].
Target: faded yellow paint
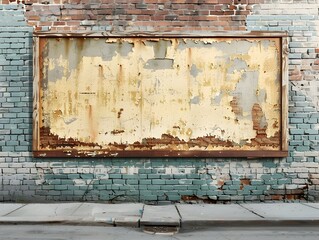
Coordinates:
[121,100]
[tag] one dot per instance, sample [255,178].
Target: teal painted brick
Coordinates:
[311,131]
[142,176]
[284,181]
[53,193]
[302,148]
[296,120]
[204,187]
[277,175]
[145,181]
[296,143]
[179,176]
[159,193]
[73,176]
[186,193]
[149,198]
[118,181]
[172,182]
[201,193]
[60,187]
[113,187]
[199,182]
[185,181]
[262,187]
[114,176]
[223,198]
[193,176]
[47,187]
[174,198]
[158,181]
[249,187]
[126,187]
[129,176]
[257,192]
[132,181]
[269,164]
[213,192]
[311,120]
[100,187]
[256,182]
[153,176]
[230,192]
[86,176]
[180,187]
[167,187]
[166,176]
[67,193]
[54,182]
[234,187]
[132,193]
[79,192]
[153,187]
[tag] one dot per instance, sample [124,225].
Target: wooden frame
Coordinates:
[50,144]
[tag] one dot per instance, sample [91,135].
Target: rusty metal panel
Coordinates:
[159,96]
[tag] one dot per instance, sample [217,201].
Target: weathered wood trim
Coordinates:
[283,152]
[36,92]
[162,34]
[284,94]
[157,154]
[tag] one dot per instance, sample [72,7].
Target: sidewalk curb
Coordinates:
[183,225]
[188,224]
[68,221]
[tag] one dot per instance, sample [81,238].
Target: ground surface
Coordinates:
[60,232]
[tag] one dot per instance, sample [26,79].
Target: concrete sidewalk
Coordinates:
[179,215]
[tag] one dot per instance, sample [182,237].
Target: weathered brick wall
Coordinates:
[24,178]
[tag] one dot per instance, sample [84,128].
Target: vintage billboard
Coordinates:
[160,96]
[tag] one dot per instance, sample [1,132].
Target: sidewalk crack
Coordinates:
[76,209]
[251,211]
[14,210]
[180,216]
[309,206]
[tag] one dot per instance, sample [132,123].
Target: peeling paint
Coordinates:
[160,94]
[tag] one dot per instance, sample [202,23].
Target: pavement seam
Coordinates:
[180,216]
[139,221]
[14,210]
[252,211]
[304,204]
[77,209]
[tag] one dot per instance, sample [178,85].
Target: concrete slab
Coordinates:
[7,208]
[210,212]
[46,210]
[313,205]
[160,216]
[114,214]
[284,211]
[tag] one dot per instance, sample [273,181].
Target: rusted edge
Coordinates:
[182,34]
[159,153]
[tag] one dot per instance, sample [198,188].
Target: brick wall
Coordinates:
[24,178]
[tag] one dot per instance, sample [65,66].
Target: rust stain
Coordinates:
[92,125]
[114,132]
[119,113]
[52,141]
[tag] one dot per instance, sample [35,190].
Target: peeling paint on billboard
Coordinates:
[158,96]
